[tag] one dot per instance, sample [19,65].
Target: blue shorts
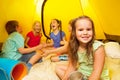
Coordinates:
[63,57]
[26,57]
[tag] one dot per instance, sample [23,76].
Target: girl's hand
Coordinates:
[40,46]
[62,42]
[45,53]
[44,45]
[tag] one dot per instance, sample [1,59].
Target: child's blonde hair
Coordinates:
[35,23]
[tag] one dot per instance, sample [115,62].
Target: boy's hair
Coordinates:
[75,76]
[11,26]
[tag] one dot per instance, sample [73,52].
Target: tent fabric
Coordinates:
[112,50]
[113,64]
[12,69]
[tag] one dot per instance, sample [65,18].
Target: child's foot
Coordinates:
[29,65]
[63,57]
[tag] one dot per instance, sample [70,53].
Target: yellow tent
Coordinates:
[105,14]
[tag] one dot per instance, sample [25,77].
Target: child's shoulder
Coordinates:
[15,36]
[97,44]
[30,32]
[63,33]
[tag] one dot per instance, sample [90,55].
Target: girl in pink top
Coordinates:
[33,38]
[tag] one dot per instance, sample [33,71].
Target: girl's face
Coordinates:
[37,27]
[84,31]
[54,24]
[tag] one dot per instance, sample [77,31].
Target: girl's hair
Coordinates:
[70,24]
[35,23]
[60,27]
[11,26]
[71,21]
[74,43]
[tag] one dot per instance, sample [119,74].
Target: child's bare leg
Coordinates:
[60,70]
[35,57]
[55,58]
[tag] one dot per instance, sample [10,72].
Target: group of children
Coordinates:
[28,50]
[57,39]
[84,54]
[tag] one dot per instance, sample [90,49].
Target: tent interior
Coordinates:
[104,13]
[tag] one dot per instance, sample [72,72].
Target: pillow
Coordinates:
[112,49]
[42,71]
[113,65]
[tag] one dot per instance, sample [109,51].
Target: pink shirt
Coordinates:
[34,40]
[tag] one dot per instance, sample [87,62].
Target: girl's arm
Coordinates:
[50,44]
[61,49]
[63,41]
[26,41]
[64,38]
[68,71]
[99,59]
